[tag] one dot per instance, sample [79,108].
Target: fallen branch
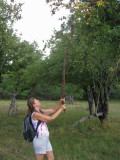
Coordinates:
[88,117]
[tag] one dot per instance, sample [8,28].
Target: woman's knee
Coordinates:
[39,156]
[50,155]
[50,158]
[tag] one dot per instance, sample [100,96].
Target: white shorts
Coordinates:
[41,144]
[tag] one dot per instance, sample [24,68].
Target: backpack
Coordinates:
[28,129]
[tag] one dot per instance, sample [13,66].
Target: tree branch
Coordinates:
[84,118]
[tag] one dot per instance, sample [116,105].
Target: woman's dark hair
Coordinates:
[30,103]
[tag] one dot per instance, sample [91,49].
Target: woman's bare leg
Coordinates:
[50,155]
[39,156]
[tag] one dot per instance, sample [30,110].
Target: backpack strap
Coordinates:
[38,121]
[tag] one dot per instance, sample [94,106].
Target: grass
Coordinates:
[89,140]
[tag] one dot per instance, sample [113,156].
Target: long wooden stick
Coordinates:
[65,58]
[116,65]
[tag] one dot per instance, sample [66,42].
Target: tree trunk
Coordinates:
[12,105]
[105,105]
[0,77]
[90,102]
[89,96]
[70,99]
[95,96]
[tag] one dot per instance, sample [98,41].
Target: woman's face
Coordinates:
[36,103]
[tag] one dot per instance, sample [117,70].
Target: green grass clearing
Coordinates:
[89,140]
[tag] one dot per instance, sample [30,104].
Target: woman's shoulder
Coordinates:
[35,113]
[33,117]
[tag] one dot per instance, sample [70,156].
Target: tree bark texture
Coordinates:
[101,104]
[12,105]
[104,106]
[90,100]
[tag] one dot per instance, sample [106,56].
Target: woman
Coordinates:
[41,144]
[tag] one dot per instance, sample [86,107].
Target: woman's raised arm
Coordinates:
[54,109]
[46,118]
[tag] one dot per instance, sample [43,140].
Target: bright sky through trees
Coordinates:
[37,23]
